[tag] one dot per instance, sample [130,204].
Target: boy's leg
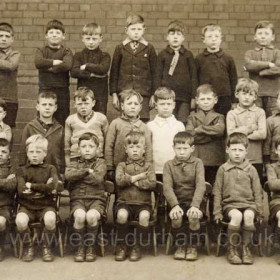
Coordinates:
[179,233]
[182,111]
[12,109]
[101,106]
[247,235]
[223,105]
[122,218]
[145,112]
[63,104]
[233,235]
[48,233]
[3,222]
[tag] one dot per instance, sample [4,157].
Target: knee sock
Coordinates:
[122,232]
[48,236]
[233,235]
[142,234]
[180,235]
[78,237]
[247,234]
[91,235]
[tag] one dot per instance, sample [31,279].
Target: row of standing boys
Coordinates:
[140,80]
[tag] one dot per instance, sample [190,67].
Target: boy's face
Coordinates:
[135,152]
[92,41]
[175,39]
[183,151]
[55,37]
[35,154]
[131,107]
[206,101]
[264,36]
[246,99]
[135,31]
[88,149]
[212,40]
[6,39]
[237,153]
[46,107]
[84,106]
[165,107]
[3,114]
[4,154]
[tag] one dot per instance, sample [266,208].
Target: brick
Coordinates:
[53,7]
[33,29]
[219,8]
[136,8]
[95,14]
[64,7]
[177,15]
[53,14]
[32,14]
[74,7]
[85,7]
[32,44]
[116,14]
[12,6]
[43,7]
[238,16]
[208,8]
[74,14]
[32,6]
[21,21]
[218,15]
[11,14]
[228,22]
[199,16]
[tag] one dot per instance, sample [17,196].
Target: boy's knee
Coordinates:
[80,217]
[22,221]
[235,217]
[92,217]
[177,223]
[144,218]
[249,217]
[3,222]
[122,216]
[50,220]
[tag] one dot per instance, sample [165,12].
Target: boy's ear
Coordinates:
[55,107]
[227,150]
[93,103]
[37,106]
[192,148]
[216,99]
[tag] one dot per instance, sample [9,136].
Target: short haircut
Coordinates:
[134,19]
[89,136]
[238,138]
[3,104]
[164,93]
[4,143]
[211,27]
[277,143]
[247,85]
[83,93]
[182,137]
[48,94]
[128,93]
[37,139]
[92,29]
[265,24]
[206,88]
[176,25]
[55,24]
[5,26]
[134,137]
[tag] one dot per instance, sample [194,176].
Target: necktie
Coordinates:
[134,45]
[264,55]
[173,62]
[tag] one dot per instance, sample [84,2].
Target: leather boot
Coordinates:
[80,253]
[247,257]
[2,243]
[90,251]
[247,235]
[233,255]
[28,246]
[121,248]
[233,240]
[135,254]
[121,251]
[47,255]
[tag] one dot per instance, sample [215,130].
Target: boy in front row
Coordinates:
[184,188]
[238,198]
[37,183]
[87,197]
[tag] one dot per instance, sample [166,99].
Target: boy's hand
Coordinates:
[176,213]
[83,67]
[152,102]
[116,102]
[90,171]
[271,65]
[50,180]
[193,212]
[57,62]
[252,128]
[218,218]
[11,176]
[193,104]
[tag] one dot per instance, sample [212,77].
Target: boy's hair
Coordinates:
[182,137]
[247,85]
[211,27]
[206,88]
[92,29]
[48,94]
[128,93]
[176,25]
[89,136]
[83,93]
[55,24]
[164,93]
[134,19]
[39,140]
[4,143]
[3,104]
[237,138]
[134,137]
[277,143]
[5,26]
[265,24]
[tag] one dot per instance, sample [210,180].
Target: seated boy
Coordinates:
[46,125]
[131,105]
[37,183]
[184,188]
[238,198]
[85,120]
[5,130]
[87,198]
[8,186]
[135,180]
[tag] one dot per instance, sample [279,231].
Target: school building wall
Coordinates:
[29,18]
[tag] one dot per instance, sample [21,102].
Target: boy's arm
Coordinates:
[76,72]
[6,133]
[193,74]
[9,184]
[115,70]
[22,154]
[254,66]
[122,178]
[72,173]
[100,68]
[168,190]
[20,181]
[153,66]
[148,151]
[200,186]
[258,191]
[275,70]
[273,180]
[159,70]
[109,146]
[11,63]
[233,79]
[232,125]
[97,176]
[149,183]
[67,141]
[67,62]
[217,192]
[260,132]
[267,142]
[41,62]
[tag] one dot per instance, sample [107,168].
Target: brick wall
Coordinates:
[29,17]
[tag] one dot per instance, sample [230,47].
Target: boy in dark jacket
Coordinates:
[87,195]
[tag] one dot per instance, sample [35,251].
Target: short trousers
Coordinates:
[273,211]
[6,212]
[133,210]
[35,215]
[12,109]
[88,204]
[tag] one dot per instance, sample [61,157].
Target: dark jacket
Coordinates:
[273,178]
[133,70]
[98,64]
[184,79]
[84,185]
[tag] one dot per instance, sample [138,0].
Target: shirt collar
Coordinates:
[142,41]
[135,122]
[240,110]
[161,121]
[276,113]
[87,161]
[43,164]
[219,53]
[183,162]
[172,51]
[1,125]
[92,51]
[140,162]
[229,165]
[259,48]
[86,118]
[6,51]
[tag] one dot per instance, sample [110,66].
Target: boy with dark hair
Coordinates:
[91,66]
[8,186]
[176,69]
[134,65]
[54,62]
[238,198]
[87,194]
[184,188]
[135,180]
[5,130]
[9,62]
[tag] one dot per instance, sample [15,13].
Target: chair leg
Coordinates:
[168,242]
[207,241]
[115,241]
[102,244]
[60,242]
[14,241]
[155,241]
[66,237]
[219,243]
